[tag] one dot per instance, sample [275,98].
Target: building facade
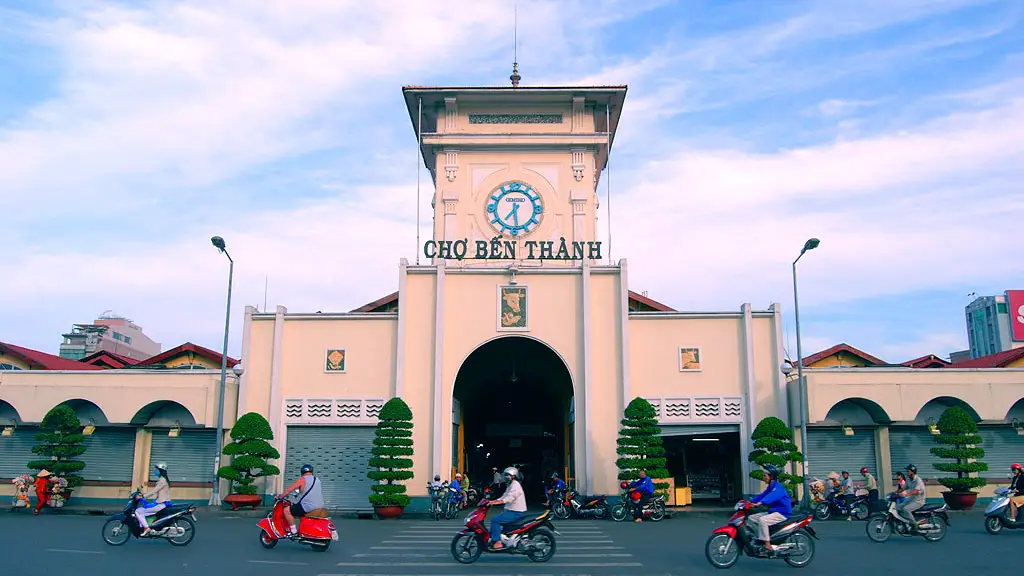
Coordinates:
[110,333]
[989,326]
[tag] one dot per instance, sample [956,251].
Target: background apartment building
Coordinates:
[112,333]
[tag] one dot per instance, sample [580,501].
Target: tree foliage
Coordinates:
[958,434]
[249,449]
[640,444]
[391,463]
[60,441]
[773,444]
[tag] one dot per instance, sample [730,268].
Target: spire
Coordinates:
[515,77]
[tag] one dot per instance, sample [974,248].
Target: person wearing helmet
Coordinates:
[515,506]
[870,484]
[1016,490]
[778,501]
[557,487]
[914,494]
[160,494]
[311,497]
[460,487]
[645,487]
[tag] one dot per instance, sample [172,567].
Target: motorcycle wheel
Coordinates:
[993,525]
[805,543]
[119,532]
[878,528]
[266,541]
[714,551]
[657,512]
[860,512]
[321,546]
[559,511]
[601,512]
[823,511]
[942,529]
[546,539]
[619,512]
[452,511]
[189,528]
[466,552]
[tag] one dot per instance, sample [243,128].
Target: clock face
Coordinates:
[515,208]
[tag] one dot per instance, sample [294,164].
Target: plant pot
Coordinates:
[960,500]
[389,512]
[237,500]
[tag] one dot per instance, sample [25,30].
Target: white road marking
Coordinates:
[278,562]
[74,551]
[518,565]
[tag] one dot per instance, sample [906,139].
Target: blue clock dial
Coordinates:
[515,208]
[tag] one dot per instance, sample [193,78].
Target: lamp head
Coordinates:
[787,368]
[218,242]
[238,369]
[810,245]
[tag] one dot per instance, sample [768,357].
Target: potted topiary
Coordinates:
[773,444]
[391,463]
[640,446]
[61,440]
[958,432]
[249,448]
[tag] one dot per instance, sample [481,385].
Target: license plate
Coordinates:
[334,535]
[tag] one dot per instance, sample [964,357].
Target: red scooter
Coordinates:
[793,539]
[534,537]
[315,528]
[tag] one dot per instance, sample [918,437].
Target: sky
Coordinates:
[132,132]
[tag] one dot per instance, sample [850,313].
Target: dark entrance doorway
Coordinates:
[514,396]
[708,464]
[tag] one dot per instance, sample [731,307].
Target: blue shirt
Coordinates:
[645,485]
[559,484]
[776,497]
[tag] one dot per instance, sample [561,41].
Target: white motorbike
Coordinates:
[997,514]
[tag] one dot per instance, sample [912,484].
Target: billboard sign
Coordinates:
[1015,303]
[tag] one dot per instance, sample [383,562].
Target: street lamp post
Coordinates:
[218,242]
[805,499]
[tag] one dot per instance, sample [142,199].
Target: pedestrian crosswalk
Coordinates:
[423,547]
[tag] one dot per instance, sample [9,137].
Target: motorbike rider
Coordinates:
[557,485]
[461,489]
[645,487]
[915,494]
[161,495]
[870,484]
[311,497]
[1016,490]
[778,501]
[845,488]
[515,506]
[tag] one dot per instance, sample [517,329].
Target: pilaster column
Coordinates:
[276,398]
[242,401]
[450,199]
[584,425]
[750,394]
[438,419]
[403,312]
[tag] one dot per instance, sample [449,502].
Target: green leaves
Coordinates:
[959,439]
[392,451]
[249,449]
[251,426]
[640,444]
[773,444]
[60,440]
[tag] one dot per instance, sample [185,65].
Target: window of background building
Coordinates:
[1001,308]
[6,366]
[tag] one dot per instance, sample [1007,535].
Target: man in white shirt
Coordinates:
[515,506]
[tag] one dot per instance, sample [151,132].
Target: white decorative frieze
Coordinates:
[694,409]
[578,108]
[451,164]
[332,410]
[577,164]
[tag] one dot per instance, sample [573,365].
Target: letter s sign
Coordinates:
[1015,302]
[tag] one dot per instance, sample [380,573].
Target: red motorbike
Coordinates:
[534,537]
[793,539]
[315,528]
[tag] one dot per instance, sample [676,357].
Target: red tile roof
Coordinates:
[648,302]
[997,360]
[41,360]
[186,347]
[393,298]
[843,348]
[105,358]
[927,361]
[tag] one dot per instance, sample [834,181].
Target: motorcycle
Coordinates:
[176,524]
[653,510]
[857,507]
[573,504]
[534,537]
[997,514]
[932,522]
[793,538]
[315,528]
[436,500]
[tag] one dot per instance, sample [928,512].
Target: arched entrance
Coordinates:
[513,406]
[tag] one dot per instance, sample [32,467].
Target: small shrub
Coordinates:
[61,439]
[249,449]
[391,463]
[958,433]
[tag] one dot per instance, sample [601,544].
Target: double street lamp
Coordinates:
[218,243]
[804,500]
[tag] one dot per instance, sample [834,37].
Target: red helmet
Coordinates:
[623,485]
[1016,467]
[864,470]
[635,496]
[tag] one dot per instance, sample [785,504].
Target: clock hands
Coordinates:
[514,214]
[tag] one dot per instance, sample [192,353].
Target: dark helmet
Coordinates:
[306,468]
[555,475]
[911,468]
[437,477]
[772,471]
[845,473]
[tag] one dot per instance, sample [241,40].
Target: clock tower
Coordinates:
[515,171]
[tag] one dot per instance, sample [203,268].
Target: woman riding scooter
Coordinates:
[161,495]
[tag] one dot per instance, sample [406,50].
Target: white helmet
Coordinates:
[511,471]
[162,466]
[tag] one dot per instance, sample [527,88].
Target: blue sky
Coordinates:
[131,132]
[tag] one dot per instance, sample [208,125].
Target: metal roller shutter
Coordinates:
[189,456]
[1003,446]
[833,451]
[16,452]
[912,445]
[340,456]
[109,455]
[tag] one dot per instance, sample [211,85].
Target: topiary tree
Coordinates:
[61,439]
[640,444]
[249,449]
[391,463]
[959,433]
[773,444]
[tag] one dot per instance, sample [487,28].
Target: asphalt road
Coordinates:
[72,545]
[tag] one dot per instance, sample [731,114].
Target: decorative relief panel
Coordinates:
[515,119]
[577,114]
[513,308]
[698,409]
[451,164]
[451,115]
[577,164]
[335,361]
[332,410]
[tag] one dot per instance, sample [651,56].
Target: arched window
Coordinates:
[8,366]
